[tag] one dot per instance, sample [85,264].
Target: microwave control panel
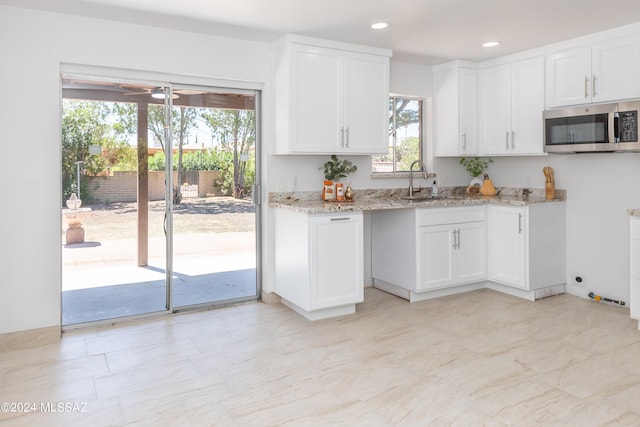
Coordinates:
[628,126]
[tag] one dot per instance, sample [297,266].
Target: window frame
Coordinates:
[421,135]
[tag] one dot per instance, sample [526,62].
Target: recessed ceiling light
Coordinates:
[379,25]
[490,44]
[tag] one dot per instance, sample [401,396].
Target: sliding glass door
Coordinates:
[144,240]
[214,215]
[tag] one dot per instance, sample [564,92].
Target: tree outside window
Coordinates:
[405,136]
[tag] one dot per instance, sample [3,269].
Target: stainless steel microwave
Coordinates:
[592,128]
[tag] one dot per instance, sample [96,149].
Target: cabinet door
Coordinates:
[470,254]
[634,264]
[435,263]
[336,260]
[455,111]
[366,105]
[615,66]
[495,110]
[468,101]
[527,105]
[568,77]
[507,249]
[316,113]
[446,112]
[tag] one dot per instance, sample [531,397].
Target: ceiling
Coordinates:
[422,31]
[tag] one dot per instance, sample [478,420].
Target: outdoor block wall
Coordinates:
[122,186]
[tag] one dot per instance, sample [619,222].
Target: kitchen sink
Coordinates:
[425,197]
[422,197]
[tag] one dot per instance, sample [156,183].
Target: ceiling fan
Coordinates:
[158,92]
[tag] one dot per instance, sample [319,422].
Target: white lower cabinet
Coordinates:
[508,245]
[634,268]
[319,262]
[451,254]
[424,253]
[527,247]
[418,250]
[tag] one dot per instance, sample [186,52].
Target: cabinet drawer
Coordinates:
[439,216]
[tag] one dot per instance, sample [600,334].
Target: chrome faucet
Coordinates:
[411,189]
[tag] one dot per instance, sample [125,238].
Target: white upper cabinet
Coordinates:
[601,72]
[511,105]
[330,97]
[455,110]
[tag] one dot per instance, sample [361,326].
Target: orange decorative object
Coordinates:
[339,192]
[328,191]
[487,188]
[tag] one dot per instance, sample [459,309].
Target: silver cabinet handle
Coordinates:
[464,140]
[456,238]
[513,140]
[340,219]
[347,144]
[586,87]
[507,139]
[519,223]
[342,137]
[593,86]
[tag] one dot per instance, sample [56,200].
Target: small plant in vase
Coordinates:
[476,167]
[334,170]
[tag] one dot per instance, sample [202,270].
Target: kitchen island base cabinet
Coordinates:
[319,259]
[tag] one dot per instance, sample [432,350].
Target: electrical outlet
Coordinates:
[578,279]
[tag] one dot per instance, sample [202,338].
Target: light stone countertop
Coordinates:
[633,212]
[367,200]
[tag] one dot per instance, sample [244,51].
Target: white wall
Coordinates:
[32,47]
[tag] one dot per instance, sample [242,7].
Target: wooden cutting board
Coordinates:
[550,186]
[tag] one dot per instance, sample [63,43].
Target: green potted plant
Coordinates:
[476,167]
[334,170]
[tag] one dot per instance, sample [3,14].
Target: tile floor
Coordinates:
[474,359]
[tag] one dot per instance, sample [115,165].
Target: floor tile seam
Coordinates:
[160,400]
[138,374]
[494,376]
[635,409]
[594,396]
[135,352]
[506,348]
[51,371]
[129,344]
[586,348]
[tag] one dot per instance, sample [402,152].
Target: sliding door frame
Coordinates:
[167,82]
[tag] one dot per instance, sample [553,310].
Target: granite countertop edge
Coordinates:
[369,200]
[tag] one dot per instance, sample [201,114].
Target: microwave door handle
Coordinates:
[614,128]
